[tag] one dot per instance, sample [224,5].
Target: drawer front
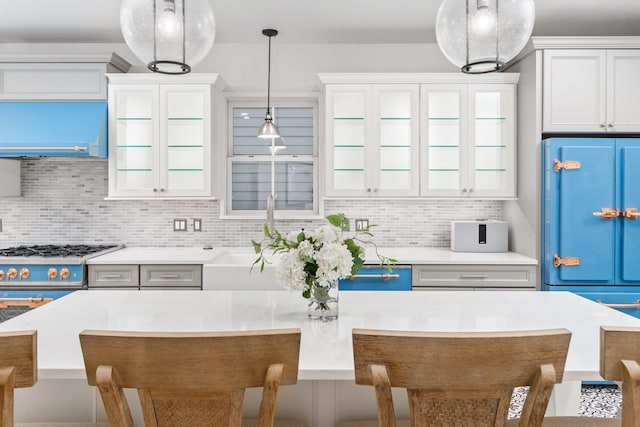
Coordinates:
[170,276]
[113,276]
[379,279]
[478,277]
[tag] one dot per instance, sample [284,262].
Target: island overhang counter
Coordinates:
[325,393]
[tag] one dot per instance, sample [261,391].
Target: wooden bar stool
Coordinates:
[460,379]
[190,379]
[18,368]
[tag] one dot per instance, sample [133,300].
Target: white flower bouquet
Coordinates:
[313,261]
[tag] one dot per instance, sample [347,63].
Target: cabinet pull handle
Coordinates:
[385,277]
[616,305]
[112,276]
[474,276]
[631,213]
[170,276]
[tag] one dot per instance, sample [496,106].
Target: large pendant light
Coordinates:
[170,36]
[268,128]
[481,36]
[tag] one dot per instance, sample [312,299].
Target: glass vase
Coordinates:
[323,303]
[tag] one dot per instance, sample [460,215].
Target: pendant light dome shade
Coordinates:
[481,36]
[170,36]
[268,128]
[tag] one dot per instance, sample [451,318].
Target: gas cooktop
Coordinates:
[54,250]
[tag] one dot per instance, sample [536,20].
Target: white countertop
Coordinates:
[404,255]
[150,255]
[326,349]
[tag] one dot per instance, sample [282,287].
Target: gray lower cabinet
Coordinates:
[145,276]
[473,277]
[117,276]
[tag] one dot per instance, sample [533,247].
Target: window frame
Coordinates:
[277,102]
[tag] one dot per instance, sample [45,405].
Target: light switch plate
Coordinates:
[362,224]
[179,225]
[197,224]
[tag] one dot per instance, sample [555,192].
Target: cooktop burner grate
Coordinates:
[54,250]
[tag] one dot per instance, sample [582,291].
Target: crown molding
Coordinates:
[621,42]
[390,78]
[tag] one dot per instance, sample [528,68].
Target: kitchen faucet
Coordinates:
[270,213]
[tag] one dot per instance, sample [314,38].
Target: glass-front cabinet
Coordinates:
[468,140]
[159,139]
[372,140]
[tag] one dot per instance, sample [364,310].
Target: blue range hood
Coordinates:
[63,129]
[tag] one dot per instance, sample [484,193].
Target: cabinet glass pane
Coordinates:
[185,133]
[350,158]
[348,105]
[185,158]
[490,139]
[134,105]
[185,105]
[395,158]
[348,132]
[134,133]
[251,183]
[134,180]
[395,105]
[444,105]
[348,179]
[444,180]
[134,158]
[443,150]
[395,132]
[185,179]
[395,179]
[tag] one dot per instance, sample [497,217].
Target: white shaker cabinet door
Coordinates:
[574,90]
[623,90]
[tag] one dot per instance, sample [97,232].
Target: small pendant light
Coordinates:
[269,129]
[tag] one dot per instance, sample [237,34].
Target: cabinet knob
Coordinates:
[155,190]
[162,190]
[602,125]
[471,190]
[368,190]
[375,190]
[610,125]
[464,190]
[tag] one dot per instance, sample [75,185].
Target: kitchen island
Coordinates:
[325,393]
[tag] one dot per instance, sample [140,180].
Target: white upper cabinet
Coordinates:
[468,140]
[372,140]
[160,137]
[420,135]
[591,90]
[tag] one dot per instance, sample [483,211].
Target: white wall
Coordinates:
[523,214]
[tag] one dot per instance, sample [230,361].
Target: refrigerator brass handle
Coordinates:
[616,305]
[608,213]
[32,302]
[631,213]
[385,277]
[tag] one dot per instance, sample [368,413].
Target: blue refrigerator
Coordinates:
[591,223]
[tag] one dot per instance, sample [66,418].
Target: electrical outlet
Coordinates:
[197,224]
[179,225]
[362,224]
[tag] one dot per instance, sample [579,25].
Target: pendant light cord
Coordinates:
[269,79]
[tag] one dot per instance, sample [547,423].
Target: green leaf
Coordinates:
[265,229]
[257,247]
[335,220]
[300,236]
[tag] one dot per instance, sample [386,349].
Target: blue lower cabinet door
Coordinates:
[378,279]
[629,184]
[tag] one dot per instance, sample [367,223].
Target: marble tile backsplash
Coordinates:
[63,202]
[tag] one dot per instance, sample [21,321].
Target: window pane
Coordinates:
[251,185]
[294,123]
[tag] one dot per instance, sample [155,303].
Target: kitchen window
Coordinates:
[285,167]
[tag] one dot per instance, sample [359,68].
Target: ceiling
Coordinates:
[306,21]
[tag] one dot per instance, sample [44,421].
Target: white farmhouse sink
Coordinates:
[230,269]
